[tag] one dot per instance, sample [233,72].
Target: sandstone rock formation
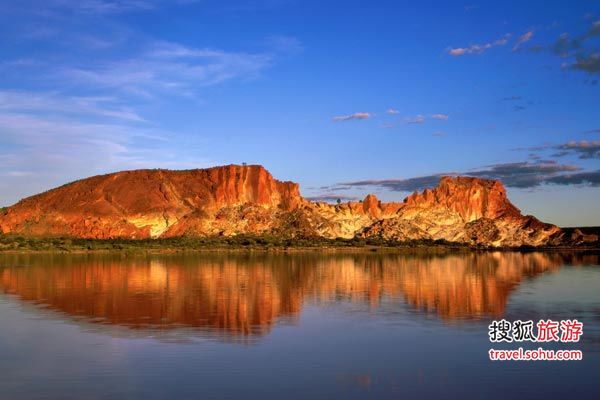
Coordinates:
[153,203]
[235,199]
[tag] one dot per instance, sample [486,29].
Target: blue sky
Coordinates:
[345,98]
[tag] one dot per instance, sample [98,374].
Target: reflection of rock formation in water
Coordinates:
[221,295]
[246,294]
[471,285]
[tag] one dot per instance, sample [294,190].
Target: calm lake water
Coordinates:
[301,326]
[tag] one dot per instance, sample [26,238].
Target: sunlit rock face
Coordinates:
[470,198]
[466,210]
[234,199]
[246,295]
[153,203]
[460,209]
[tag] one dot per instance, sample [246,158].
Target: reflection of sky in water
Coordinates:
[569,285]
[362,327]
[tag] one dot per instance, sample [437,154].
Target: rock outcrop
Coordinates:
[153,203]
[233,199]
[467,210]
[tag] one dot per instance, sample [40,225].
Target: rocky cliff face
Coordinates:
[460,209]
[153,203]
[466,210]
[234,199]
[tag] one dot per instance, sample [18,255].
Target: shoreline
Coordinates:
[10,244]
[307,250]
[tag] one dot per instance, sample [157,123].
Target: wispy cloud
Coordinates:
[524,174]
[57,104]
[392,111]
[512,98]
[50,136]
[397,185]
[331,198]
[169,68]
[351,117]
[565,45]
[593,31]
[584,57]
[108,7]
[590,178]
[419,119]
[524,38]
[521,175]
[587,63]
[478,48]
[94,7]
[583,149]
[440,117]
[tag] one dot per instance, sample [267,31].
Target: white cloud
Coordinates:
[526,37]
[355,116]
[441,117]
[58,104]
[478,48]
[419,119]
[169,67]
[92,7]
[392,111]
